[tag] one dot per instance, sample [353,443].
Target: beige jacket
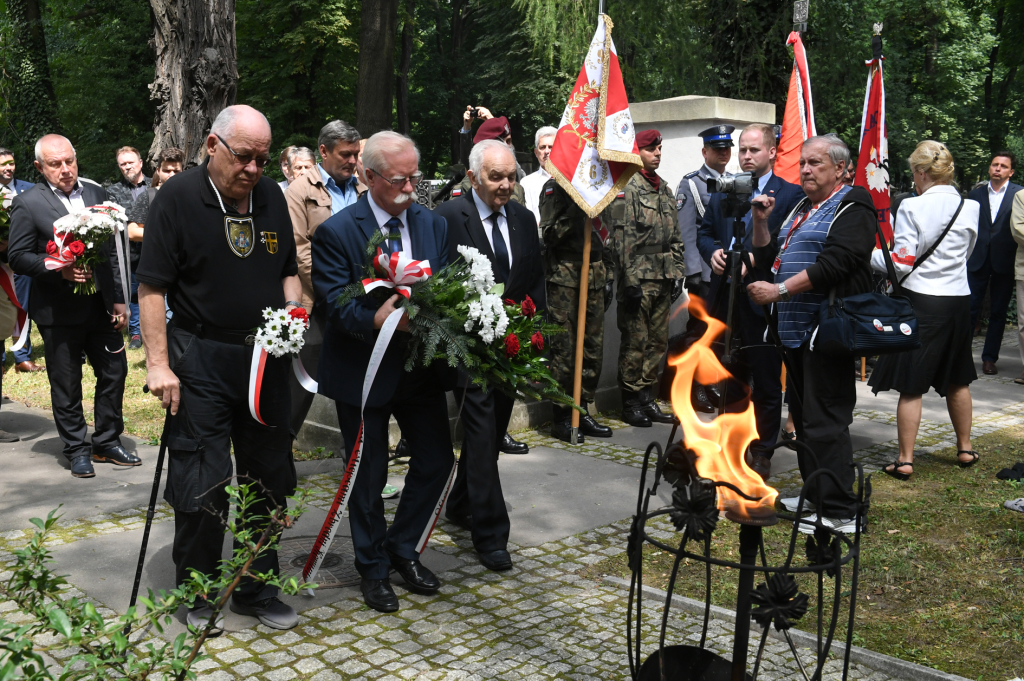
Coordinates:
[309,205]
[1017,230]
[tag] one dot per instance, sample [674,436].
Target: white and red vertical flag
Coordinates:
[873,160]
[595,151]
[798,120]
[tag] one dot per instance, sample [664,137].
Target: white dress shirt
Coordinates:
[919,224]
[75,201]
[533,185]
[382,218]
[995,199]
[485,215]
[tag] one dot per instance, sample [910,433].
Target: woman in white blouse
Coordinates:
[936,285]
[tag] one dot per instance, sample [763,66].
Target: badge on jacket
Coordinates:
[270,240]
[457,192]
[240,234]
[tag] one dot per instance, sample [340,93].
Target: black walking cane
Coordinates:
[150,512]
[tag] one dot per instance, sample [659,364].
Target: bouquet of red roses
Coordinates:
[79,239]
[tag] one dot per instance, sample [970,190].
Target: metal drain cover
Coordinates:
[337,570]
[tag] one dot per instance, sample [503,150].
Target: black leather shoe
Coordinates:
[652,411]
[561,430]
[498,561]
[761,465]
[700,400]
[117,455]
[81,467]
[418,578]
[632,410]
[591,428]
[402,450]
[511,446]
[378,594]
[463,521]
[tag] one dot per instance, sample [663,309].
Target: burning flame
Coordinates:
[720,445]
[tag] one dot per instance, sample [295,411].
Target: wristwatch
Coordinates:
[783,293]
[298,304]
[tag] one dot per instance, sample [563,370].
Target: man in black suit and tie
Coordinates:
[757,359]
[69,323]
[416,398]
[991,264]
[506,232]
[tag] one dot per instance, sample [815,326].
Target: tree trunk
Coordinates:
[376,65]
[33,104]
[196,71]
[402,79]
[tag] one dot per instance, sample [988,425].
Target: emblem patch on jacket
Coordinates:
[240,235]
[270,239]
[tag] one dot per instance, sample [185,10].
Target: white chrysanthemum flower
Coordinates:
[268,312]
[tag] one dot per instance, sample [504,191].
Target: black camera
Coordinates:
[737,188]
[474,112]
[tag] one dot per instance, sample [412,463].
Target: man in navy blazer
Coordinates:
[991,263]
[417,398]
[758,360]
[506,232]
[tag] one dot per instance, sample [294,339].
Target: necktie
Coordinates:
[500,251]
[394,234]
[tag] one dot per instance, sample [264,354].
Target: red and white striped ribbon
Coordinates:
[22,324]
[256,368]
[399,272]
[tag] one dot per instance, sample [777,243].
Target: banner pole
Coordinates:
[581,325]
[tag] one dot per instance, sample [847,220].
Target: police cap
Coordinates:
[718,136]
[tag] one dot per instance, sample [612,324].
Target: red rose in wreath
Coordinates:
[77,248]
[537,341]
[529,309]
[511,345]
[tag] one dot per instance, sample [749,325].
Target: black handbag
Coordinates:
[872,323]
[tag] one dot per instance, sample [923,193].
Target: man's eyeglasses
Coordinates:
[245,159]
[399,182]
[7,163]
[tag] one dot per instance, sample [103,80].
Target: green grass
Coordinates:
[942,574]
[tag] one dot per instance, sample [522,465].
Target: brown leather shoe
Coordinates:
[28,367]
[989,368]
[762,465]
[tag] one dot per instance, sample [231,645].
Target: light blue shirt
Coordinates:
[762,182]
[341,197]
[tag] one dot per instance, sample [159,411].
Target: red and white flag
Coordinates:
[595,151]
[798,121]
[873,160]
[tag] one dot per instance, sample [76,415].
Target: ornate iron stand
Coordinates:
[777,600]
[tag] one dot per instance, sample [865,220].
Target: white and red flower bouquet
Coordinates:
[80,238]
[283,332]
[459,315]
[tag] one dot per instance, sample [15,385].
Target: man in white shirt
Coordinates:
[991,265]
[534,182]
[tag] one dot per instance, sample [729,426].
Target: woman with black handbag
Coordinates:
[934,235]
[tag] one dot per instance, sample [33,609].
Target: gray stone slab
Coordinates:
[554,493]
[36,476]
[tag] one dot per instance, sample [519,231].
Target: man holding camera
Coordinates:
[754,359]
[648,254]
[491,128]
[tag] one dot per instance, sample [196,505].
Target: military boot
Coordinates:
[632,410]
[592,428]
[561,425]
[651,410]
[700,400]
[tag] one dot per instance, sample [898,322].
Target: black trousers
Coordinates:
[302,399]
[422,413]
[213,416]
[477,490]
[756,362]
[64,346]
[822,418]
[1000,287]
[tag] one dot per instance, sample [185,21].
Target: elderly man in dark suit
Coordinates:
[991,264]
[506,232]
[758,360]
[69,323]
[416,398]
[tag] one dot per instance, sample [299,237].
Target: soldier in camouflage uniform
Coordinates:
[647,250]
[562,223]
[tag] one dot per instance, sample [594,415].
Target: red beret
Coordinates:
[647,138]
[492,129]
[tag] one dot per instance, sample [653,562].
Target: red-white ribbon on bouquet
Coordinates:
[21,325]
[60,256]
[330,526]
[256,368]
[399,272]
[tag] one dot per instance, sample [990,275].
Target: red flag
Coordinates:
[873,161]
[798,121]
[595,151]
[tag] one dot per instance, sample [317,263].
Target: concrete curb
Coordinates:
[892,666]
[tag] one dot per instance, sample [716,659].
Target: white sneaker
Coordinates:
[790,504]
[844,525]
